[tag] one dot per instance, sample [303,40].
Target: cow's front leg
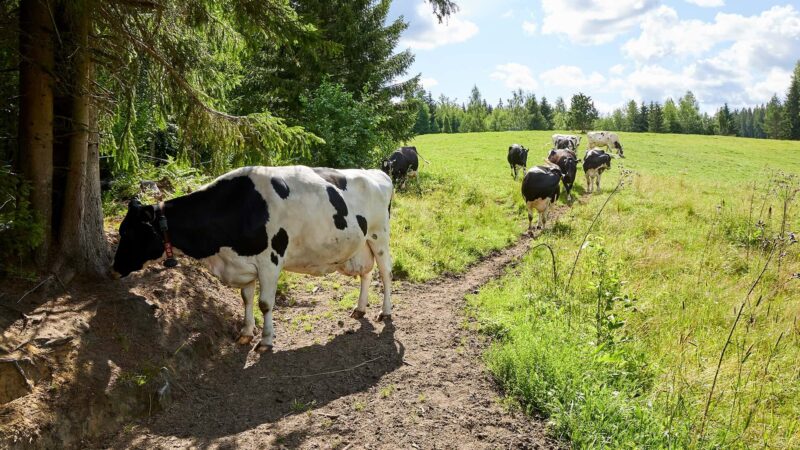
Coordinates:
[380,249]
[246,334]
[268,283]
[363,297]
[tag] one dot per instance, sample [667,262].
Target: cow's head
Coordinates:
[569,167]
[525,155]
[139,240]
[618,146]
[386,167]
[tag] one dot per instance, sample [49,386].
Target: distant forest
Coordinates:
[777,119]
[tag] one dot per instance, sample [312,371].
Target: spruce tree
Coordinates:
[775,126]
[792,105]
[547,113]
[582,112]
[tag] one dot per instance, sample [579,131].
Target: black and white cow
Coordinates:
[567,161]
[253,222]
[595,163]
[401,164]
[517,157]
[605,139]
[540,188]
[566,141]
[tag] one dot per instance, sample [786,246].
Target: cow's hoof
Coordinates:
[244,340]
[263,348]
[383,317]
[356,314]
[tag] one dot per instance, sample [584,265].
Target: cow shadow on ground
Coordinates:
[225,395]
[238,398]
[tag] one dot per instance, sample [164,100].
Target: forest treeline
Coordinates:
[95,90]
[777,119]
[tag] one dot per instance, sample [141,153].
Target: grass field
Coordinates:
[628,354]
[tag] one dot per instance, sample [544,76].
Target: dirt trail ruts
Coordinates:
[334,382]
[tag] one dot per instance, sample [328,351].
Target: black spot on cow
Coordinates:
[229,213]
[280,241]
[332,176]
[374,237]
[274,258]
[339,219]
[362,223]
[280,187]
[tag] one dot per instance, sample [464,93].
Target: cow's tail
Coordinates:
[423,158]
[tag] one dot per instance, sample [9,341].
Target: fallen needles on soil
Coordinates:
[332,371]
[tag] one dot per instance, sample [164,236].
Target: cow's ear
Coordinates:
[147,213]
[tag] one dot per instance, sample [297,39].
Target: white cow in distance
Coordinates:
[566,141]
[605,139]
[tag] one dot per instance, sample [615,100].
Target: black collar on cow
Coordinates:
[162,226]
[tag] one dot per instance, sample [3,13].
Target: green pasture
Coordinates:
[627,355]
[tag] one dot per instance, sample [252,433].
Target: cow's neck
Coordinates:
[184,222]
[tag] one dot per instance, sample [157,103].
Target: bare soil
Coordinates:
[150,362]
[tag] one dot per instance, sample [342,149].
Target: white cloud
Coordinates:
[514,76]
[508,14]
[529,27]
[426,33]
[593,22]
[774,34]
[707,3]
[734,59]
[617,69]
[572,77]
[428,82]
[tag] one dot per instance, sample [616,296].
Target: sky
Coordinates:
[735,51]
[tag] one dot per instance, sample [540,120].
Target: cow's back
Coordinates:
[320,217]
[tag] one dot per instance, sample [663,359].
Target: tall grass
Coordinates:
[656,297]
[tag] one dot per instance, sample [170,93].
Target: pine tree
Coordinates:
[582,112]
[774,124]
[792,105]
[655,118]
[641,119]
[536,120]
[631,116]
[726,126]
[547,113]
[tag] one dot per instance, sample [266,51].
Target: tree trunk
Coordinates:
[36,111]
[82,242]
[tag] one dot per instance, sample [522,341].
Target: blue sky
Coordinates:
[734,51]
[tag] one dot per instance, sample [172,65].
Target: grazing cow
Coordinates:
[567,161]
[517,157]
[253,222]
[595,163]
[566,141]
[540,189]
[605,139]
[401,164]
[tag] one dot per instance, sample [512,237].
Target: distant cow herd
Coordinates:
[253,222]
[540,186]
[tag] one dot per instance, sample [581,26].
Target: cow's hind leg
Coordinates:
[268,284]
[246,333]
[380,249]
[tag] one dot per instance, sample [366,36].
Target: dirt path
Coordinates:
[334,382]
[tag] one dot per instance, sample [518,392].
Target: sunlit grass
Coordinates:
[682,240]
